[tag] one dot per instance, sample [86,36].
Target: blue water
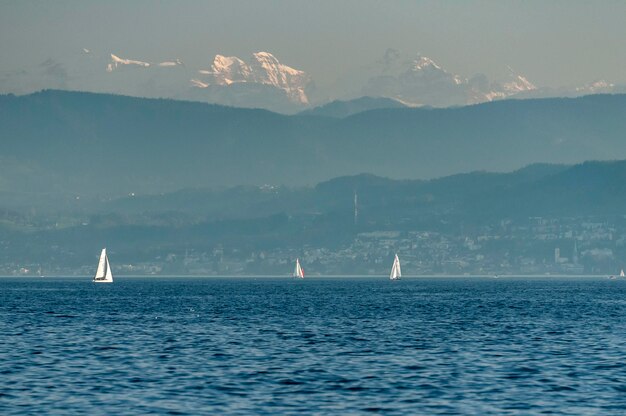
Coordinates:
[323,346]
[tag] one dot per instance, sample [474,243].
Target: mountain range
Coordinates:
[99,145]
[262,81]
[424,82]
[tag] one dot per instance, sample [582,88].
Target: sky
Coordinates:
[553,43]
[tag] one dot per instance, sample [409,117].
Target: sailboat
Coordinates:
[621,274]
[396,271]
[298,272]
[103,274]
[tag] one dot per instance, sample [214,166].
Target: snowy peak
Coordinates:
[596,87]
[263,68]
[175,62]
[423,62]
[228,69]
[424,82]
[517,83]
[117,62]
[514,84]
[425,67]
[269,71]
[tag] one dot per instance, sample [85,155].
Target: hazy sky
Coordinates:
[553,43]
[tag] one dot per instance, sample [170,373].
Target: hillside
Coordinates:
[86,144]
[249,223]
[342,109]
[591,188]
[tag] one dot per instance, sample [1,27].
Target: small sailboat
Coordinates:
[298,272]
[396,271]
[621,273]
[103,274]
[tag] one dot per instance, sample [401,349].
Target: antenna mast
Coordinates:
[356,208]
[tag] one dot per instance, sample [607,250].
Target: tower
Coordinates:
[356,208]
[557,255]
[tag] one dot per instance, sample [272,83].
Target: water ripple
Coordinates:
[208,346]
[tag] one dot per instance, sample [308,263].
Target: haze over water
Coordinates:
[325,346]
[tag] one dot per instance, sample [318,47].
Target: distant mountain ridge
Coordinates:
[264,81]
[590,188]
[423,82]
[342,109]
[97,144]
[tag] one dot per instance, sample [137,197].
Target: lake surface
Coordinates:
[323,346]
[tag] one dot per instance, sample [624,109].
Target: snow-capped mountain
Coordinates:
[596,87]
[426,69]
[262,81]
[263,68]
[513,85]
[117,62]
[424,82]
[517,84]
[148,78]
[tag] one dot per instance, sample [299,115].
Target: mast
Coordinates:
[356,208]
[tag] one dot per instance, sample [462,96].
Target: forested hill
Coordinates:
[97,144]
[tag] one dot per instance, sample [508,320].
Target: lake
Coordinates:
[317,345]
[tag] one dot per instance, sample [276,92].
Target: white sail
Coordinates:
[108,276]
[396,271]
[621,274]
[298,271]
[103,273]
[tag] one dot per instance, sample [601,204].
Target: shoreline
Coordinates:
[330,276]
